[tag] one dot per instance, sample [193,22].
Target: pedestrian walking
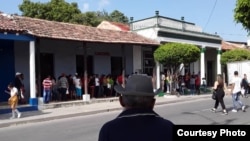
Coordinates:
[220,93]
[236,92]
[13,100]
[138,121]
[244,86]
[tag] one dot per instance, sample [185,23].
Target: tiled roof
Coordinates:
[8,23]
[229,46]
[114,26]
[123,27]
[67,31]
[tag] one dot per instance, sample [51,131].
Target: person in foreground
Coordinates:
[236,92]
[220,93]
[138,121]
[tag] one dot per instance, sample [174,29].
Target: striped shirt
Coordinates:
[47,84]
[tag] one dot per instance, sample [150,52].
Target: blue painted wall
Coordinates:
[7,66]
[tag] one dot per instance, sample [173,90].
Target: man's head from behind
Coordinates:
[138,92]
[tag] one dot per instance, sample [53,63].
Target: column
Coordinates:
[158,77]
[218,61]
[202,61]
[33,100]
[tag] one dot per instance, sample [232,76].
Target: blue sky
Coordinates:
[213,16]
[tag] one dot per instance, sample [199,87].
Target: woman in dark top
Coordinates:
[220,93]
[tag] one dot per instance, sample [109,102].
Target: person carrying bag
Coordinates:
[219,94]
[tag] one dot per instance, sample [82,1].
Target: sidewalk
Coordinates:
[79,108]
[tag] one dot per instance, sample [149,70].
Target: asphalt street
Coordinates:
[86,127]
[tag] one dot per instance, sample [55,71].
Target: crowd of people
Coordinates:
[178,83]
[237,85]
[69,87]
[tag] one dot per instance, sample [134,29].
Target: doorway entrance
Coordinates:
[210,73]
[80,65]
[116,66]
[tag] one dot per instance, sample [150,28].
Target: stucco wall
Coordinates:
[150,33]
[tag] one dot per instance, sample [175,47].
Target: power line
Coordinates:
[210,15]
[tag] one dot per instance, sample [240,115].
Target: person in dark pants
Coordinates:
[138,121]
[63,86]
[245,86]
[220,93]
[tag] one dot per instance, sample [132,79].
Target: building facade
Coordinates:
[166,30]
[38,48]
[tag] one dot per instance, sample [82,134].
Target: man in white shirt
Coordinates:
[236,92]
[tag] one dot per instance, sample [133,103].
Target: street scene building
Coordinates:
[38,48]
[167,30]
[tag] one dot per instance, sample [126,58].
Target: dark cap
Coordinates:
[138,85]
[235,72]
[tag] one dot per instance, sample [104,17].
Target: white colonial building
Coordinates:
[166,30]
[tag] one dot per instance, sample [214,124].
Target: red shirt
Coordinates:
[119,79]
[47,84]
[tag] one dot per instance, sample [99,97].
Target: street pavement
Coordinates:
[62,110]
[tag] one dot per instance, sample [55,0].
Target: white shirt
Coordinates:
[237,87]
[13,91]
[97,83]
[77,82]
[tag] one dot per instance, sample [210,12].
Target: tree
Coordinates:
[61,11]
[235,55]
[174,54]
[242,13]
[91,19]
[55,10]
[117,16]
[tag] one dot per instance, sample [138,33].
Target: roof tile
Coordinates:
[59,30]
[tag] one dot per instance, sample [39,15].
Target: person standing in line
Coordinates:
[220,93]
[245,86]
[163,77]
[13,100]
[78,87]
[47,88]
[204,84]
[236,92]
[197,84]
[138,121]
[97,86]
[63,86]
[168,82]
[192,85]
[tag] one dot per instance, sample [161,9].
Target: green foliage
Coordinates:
[55,10]
[173,54]
[235,55]
[117,16]
[61,11]
[242,13]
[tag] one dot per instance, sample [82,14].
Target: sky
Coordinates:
[213,16]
